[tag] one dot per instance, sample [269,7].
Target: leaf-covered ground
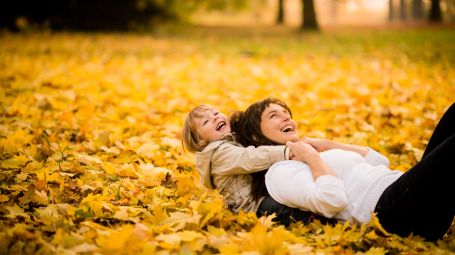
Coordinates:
[90,151]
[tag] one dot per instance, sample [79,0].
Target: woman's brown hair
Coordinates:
[246,127]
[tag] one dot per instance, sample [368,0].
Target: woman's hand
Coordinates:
[302,151]
[319,144]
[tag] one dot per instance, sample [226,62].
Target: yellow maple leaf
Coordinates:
[264,241]
[189,236]
[127,170]
[109,168]
[148,149]
[158,214]
[40,197]
[14,142]
[169,241]
[15,162]
[3,198]
[178,220]
[377,224]
[16,211]
[83,248]
[48,215]
[21,230]
[116,240]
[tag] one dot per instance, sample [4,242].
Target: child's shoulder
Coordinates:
[220,143]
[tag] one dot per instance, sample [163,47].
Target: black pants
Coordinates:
[286,215]
[422,200]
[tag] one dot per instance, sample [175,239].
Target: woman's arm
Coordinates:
[362,150]
[291,183]
[313,186]
[326,144]
[371,156]
[307,154]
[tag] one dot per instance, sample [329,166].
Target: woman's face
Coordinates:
[277,125]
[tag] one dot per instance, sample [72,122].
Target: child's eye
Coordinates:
[216,113]
[205,122]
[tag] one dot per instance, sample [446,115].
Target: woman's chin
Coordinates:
[291,138]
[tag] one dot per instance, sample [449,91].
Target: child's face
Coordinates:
[212,125]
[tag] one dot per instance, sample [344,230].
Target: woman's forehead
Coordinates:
[274,107]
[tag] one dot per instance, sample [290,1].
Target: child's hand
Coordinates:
[318,144]
[302,151]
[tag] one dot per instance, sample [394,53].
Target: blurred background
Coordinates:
[144,15]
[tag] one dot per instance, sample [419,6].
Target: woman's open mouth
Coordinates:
[287,129]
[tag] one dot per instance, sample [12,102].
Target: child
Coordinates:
[222,162]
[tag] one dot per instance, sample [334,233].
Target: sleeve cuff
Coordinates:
[287,153]
[278,153]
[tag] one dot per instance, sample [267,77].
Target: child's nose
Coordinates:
[216,117]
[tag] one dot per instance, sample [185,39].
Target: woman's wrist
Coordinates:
[313,160]
[362,150]
[328,145]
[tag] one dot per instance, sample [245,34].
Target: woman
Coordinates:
[350,182]
[226,165]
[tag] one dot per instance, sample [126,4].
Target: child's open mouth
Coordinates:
[220,125]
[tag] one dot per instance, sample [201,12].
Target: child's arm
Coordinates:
[231,159]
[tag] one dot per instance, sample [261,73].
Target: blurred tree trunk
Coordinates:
[402,10]
[280,15]
[333,11]
[391,11]
[435,11]
[417,9]
[309,16]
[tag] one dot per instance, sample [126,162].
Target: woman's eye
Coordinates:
[273,116]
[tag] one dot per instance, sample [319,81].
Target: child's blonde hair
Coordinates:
[191,140]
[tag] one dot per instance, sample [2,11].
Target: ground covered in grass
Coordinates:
[90,151]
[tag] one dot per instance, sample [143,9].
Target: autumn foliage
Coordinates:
[90,151]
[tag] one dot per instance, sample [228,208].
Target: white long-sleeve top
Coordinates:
[350,195]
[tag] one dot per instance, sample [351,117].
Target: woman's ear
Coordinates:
[254,138]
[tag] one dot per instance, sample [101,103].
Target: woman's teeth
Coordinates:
[287,129]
